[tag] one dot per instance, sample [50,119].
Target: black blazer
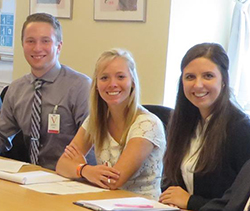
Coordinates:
[213,185]
[236,197]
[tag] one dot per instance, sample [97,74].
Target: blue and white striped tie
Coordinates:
[35,122]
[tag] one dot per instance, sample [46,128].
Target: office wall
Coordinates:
[85,39]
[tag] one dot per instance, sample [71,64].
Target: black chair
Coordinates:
[162,112]
[19,151]
[3,92]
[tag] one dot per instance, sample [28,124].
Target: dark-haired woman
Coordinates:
[208,138]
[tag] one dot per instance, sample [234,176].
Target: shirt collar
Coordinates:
[202,127]
[50,76]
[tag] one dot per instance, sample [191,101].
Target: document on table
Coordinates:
[32,177]
[61,188]
[131,204]
[11,165]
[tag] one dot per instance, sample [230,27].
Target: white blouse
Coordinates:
[190,160]
[147,179]
[247,207]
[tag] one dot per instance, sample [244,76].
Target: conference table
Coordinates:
[13,197]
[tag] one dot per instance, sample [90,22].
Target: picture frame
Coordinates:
[7,29]
[57,8]
[120,10]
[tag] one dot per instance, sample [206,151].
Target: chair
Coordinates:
[162,112]
[3,92]
[19,151]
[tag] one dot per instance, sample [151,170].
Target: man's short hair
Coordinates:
[46,18]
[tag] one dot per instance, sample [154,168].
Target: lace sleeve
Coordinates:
[148,126]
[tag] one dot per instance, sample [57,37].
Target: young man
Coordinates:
[235,198]
[63,95]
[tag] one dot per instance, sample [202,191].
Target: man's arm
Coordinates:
[8,125]
[234,198]
[81,108]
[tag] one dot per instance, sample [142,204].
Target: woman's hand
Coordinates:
[101,175]
[72,152]
[73,155]
[175,195]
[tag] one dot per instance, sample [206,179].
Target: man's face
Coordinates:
[40,46]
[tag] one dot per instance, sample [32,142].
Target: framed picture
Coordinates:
[120,10]
[7,29]
[57,8]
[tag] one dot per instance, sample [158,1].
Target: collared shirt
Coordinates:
[63,87]
[190,160]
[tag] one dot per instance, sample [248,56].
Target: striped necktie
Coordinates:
[35,122]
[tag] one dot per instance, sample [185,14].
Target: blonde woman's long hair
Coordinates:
[97,129]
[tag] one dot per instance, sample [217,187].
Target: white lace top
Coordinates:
[147,179]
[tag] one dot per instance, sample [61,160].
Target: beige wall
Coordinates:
[85,39]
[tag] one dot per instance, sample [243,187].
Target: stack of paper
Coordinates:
[131,204]
[62,188]
[11,165]
[32,177]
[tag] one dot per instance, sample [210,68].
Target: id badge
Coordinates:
[54,123]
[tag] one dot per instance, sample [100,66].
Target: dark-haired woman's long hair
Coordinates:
[186,116]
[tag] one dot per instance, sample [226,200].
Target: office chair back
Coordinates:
[162,112]
[3,92]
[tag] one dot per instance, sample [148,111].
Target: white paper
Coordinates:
[11,165]
[61,188]
[132,203]
[32,177]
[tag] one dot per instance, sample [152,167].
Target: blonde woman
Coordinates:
[129,141]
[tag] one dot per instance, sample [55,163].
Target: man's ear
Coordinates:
[59,47]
